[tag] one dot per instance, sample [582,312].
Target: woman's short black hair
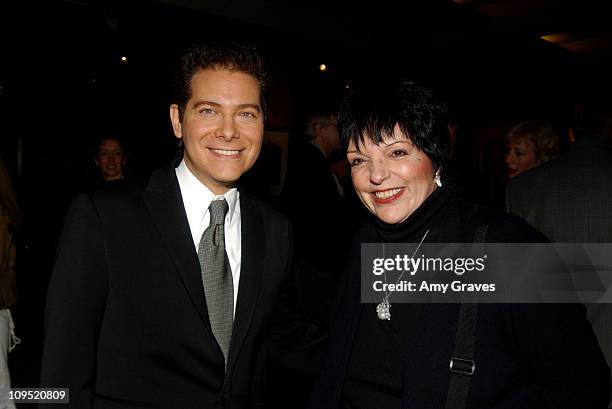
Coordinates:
[371,111]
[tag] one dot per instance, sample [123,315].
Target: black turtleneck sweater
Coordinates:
[530,356]
[374,379]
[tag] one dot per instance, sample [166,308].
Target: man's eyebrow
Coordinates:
[216,104]
[254,106]
[198,103]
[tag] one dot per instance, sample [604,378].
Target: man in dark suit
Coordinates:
[168,293]
[312,194]
[569,199]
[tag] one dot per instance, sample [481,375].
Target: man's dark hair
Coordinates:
[372,110]
[218,56]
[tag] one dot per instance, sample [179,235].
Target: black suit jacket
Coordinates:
[126,320]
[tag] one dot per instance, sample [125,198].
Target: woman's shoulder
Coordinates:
[510,228]
[501,227]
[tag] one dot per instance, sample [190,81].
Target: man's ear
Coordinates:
[317,129]
[96,161]
[176,121]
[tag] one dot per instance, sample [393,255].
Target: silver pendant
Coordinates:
[383,310]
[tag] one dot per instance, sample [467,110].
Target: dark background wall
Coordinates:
[63,82]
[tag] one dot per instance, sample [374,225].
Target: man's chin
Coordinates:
[227,181]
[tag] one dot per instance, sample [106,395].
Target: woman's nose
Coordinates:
[379,172]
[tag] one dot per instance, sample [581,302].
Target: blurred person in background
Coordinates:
[312,198]
[312,193]
[111,158]
[529,144]
[9,219]
[569,199]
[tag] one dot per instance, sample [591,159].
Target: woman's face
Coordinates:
[520,156]
[110,159]
[391,179]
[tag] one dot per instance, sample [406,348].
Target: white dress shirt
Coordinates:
[196,199]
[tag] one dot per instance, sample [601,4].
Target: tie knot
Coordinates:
[218,210]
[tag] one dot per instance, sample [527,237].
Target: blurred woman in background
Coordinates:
[110,158]
[529,144]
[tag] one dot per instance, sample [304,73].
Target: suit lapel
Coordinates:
[251,270]
[164,201]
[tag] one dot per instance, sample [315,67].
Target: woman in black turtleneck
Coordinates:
[528,356]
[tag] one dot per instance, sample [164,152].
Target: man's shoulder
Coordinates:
[511,228]
[534,181]
[501,227]
[267,212]
[568,171]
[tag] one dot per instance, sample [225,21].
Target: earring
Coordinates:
[436,179]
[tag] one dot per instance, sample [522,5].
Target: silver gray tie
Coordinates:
[217,276]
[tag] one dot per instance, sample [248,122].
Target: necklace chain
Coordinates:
[383,309]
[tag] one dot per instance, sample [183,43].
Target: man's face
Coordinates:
[222,127]
[331,132]
[326,133]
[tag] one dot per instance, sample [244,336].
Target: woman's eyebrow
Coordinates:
[396,142]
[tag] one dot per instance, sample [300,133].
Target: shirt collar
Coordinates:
[319,148]
[197,196]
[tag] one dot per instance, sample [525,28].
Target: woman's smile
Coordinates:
[387,196]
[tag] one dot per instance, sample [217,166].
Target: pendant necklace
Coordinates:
[383,310]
